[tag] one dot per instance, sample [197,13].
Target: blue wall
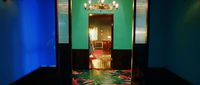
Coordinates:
[27,37]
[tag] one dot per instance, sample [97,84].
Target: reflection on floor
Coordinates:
[100,60]
[101,77]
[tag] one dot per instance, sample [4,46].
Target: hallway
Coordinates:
[43,41]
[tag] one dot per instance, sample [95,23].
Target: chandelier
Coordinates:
[100,5]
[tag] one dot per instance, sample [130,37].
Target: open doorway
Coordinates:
[101,55]
[74,53]
[100,40]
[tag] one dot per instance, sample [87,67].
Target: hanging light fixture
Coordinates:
[100,5]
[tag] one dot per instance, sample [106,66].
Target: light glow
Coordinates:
[93,34]
[100,5]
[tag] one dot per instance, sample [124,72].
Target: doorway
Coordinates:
[100,40]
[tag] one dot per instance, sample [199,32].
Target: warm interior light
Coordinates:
[89,1]
[109,37]
[114,2]
[100,5]
[117,5]
[90,14]
[93,34]
[85,5]
[102,1]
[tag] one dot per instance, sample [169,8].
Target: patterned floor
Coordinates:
[101,77]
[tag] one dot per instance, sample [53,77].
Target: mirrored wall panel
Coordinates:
[141,22]
[63,25]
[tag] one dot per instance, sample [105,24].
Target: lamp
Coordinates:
[100,5]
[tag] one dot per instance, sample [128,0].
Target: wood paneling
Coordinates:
[80,58]
[121,59]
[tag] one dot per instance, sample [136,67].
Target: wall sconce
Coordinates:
[100,5]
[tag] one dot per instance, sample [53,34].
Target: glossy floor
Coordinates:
[101,77]
[100,60]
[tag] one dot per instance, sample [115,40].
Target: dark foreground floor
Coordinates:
[48,76]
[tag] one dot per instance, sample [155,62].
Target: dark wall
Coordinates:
[183,52]
[10,54]
[26,37]
[174,37]
[159,23]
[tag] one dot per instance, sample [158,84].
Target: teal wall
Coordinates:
[122,24]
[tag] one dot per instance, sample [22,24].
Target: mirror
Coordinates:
[100,40]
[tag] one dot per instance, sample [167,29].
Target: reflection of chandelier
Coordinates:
[100,5]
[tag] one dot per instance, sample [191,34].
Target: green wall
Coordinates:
[122,24]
